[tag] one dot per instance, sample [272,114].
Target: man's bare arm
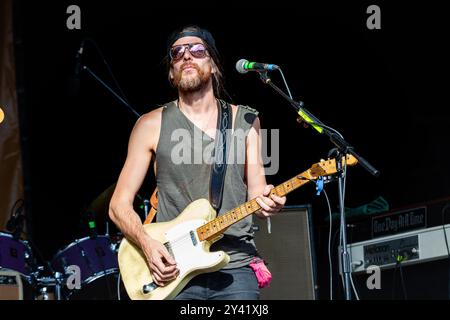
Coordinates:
[141,147]
[131,177]
[256,178]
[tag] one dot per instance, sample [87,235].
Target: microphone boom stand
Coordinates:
[343,149]
[110,90]
[126,104]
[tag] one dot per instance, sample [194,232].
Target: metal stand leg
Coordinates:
[58,285]
[345,258]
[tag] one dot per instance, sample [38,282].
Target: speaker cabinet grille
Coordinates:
[289,252]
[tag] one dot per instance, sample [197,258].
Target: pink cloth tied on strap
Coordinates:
[263,274]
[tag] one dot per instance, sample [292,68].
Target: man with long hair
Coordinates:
[196,73]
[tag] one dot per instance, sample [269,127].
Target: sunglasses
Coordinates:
[197,50]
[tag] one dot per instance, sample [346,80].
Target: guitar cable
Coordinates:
[330,263]
[118,287]
[398,266]
[402,280]
[329,245]
[341,232]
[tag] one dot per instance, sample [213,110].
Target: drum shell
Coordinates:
[97,261]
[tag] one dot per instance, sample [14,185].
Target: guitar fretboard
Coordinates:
[217,226]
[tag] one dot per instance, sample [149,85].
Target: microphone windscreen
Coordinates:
[240,66]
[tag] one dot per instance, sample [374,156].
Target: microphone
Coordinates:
[244,66]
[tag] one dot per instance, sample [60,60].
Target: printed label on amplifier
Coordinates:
[400,221]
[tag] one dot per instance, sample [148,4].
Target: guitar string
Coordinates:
[182,239]
[186,238]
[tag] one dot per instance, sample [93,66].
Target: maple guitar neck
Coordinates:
[216,227]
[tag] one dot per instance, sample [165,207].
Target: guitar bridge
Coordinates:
[149,287]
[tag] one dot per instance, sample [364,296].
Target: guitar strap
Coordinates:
[154,205]
[219,165]
[221,150]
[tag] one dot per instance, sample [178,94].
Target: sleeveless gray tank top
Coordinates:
[183,168]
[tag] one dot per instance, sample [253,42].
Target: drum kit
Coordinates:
[85,269]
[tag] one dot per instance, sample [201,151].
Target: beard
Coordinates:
[194,81]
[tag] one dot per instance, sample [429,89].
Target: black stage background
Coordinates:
[381,89]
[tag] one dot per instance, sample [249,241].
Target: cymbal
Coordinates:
[100,205]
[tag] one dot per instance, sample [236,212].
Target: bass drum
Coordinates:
[96,261]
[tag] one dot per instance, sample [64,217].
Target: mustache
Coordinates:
[189,65]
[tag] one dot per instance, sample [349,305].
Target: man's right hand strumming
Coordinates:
[160,262]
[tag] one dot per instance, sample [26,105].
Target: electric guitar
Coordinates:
[189,237]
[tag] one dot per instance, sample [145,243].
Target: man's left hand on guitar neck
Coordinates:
[270,204]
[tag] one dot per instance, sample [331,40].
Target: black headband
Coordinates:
[203,34]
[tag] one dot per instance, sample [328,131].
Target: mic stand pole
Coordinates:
[110,90]
[343,149]
[58,278]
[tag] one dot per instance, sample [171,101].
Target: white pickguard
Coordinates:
[188,256]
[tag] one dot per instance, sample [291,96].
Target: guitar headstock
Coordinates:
[328,167]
